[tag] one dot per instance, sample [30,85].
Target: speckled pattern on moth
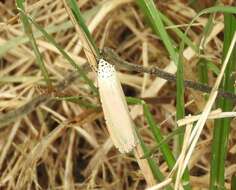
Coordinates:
[119,123]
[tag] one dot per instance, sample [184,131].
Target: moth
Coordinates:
[119,123]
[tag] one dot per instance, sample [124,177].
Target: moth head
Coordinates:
[105,69]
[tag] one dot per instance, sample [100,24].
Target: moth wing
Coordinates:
[116,113]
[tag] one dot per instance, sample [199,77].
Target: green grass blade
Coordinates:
[222,9]
[153,16]
[153,165]
[178,32]
[167,154]
[165,140]
[212,67]
[202,71]
[134,101]
[233,182]
[222,126]
[79,18]
[29,33]
[155,129]
[66,56]
[207,30]
[180,113]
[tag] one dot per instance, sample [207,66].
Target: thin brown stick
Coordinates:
[113,58]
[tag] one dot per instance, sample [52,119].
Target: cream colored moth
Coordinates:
[119,123]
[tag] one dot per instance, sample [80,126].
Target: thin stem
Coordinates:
[113,58]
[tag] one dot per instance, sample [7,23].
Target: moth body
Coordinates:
[119,123]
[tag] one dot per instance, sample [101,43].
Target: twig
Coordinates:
[113,58]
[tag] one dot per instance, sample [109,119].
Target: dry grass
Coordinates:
[56,144]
